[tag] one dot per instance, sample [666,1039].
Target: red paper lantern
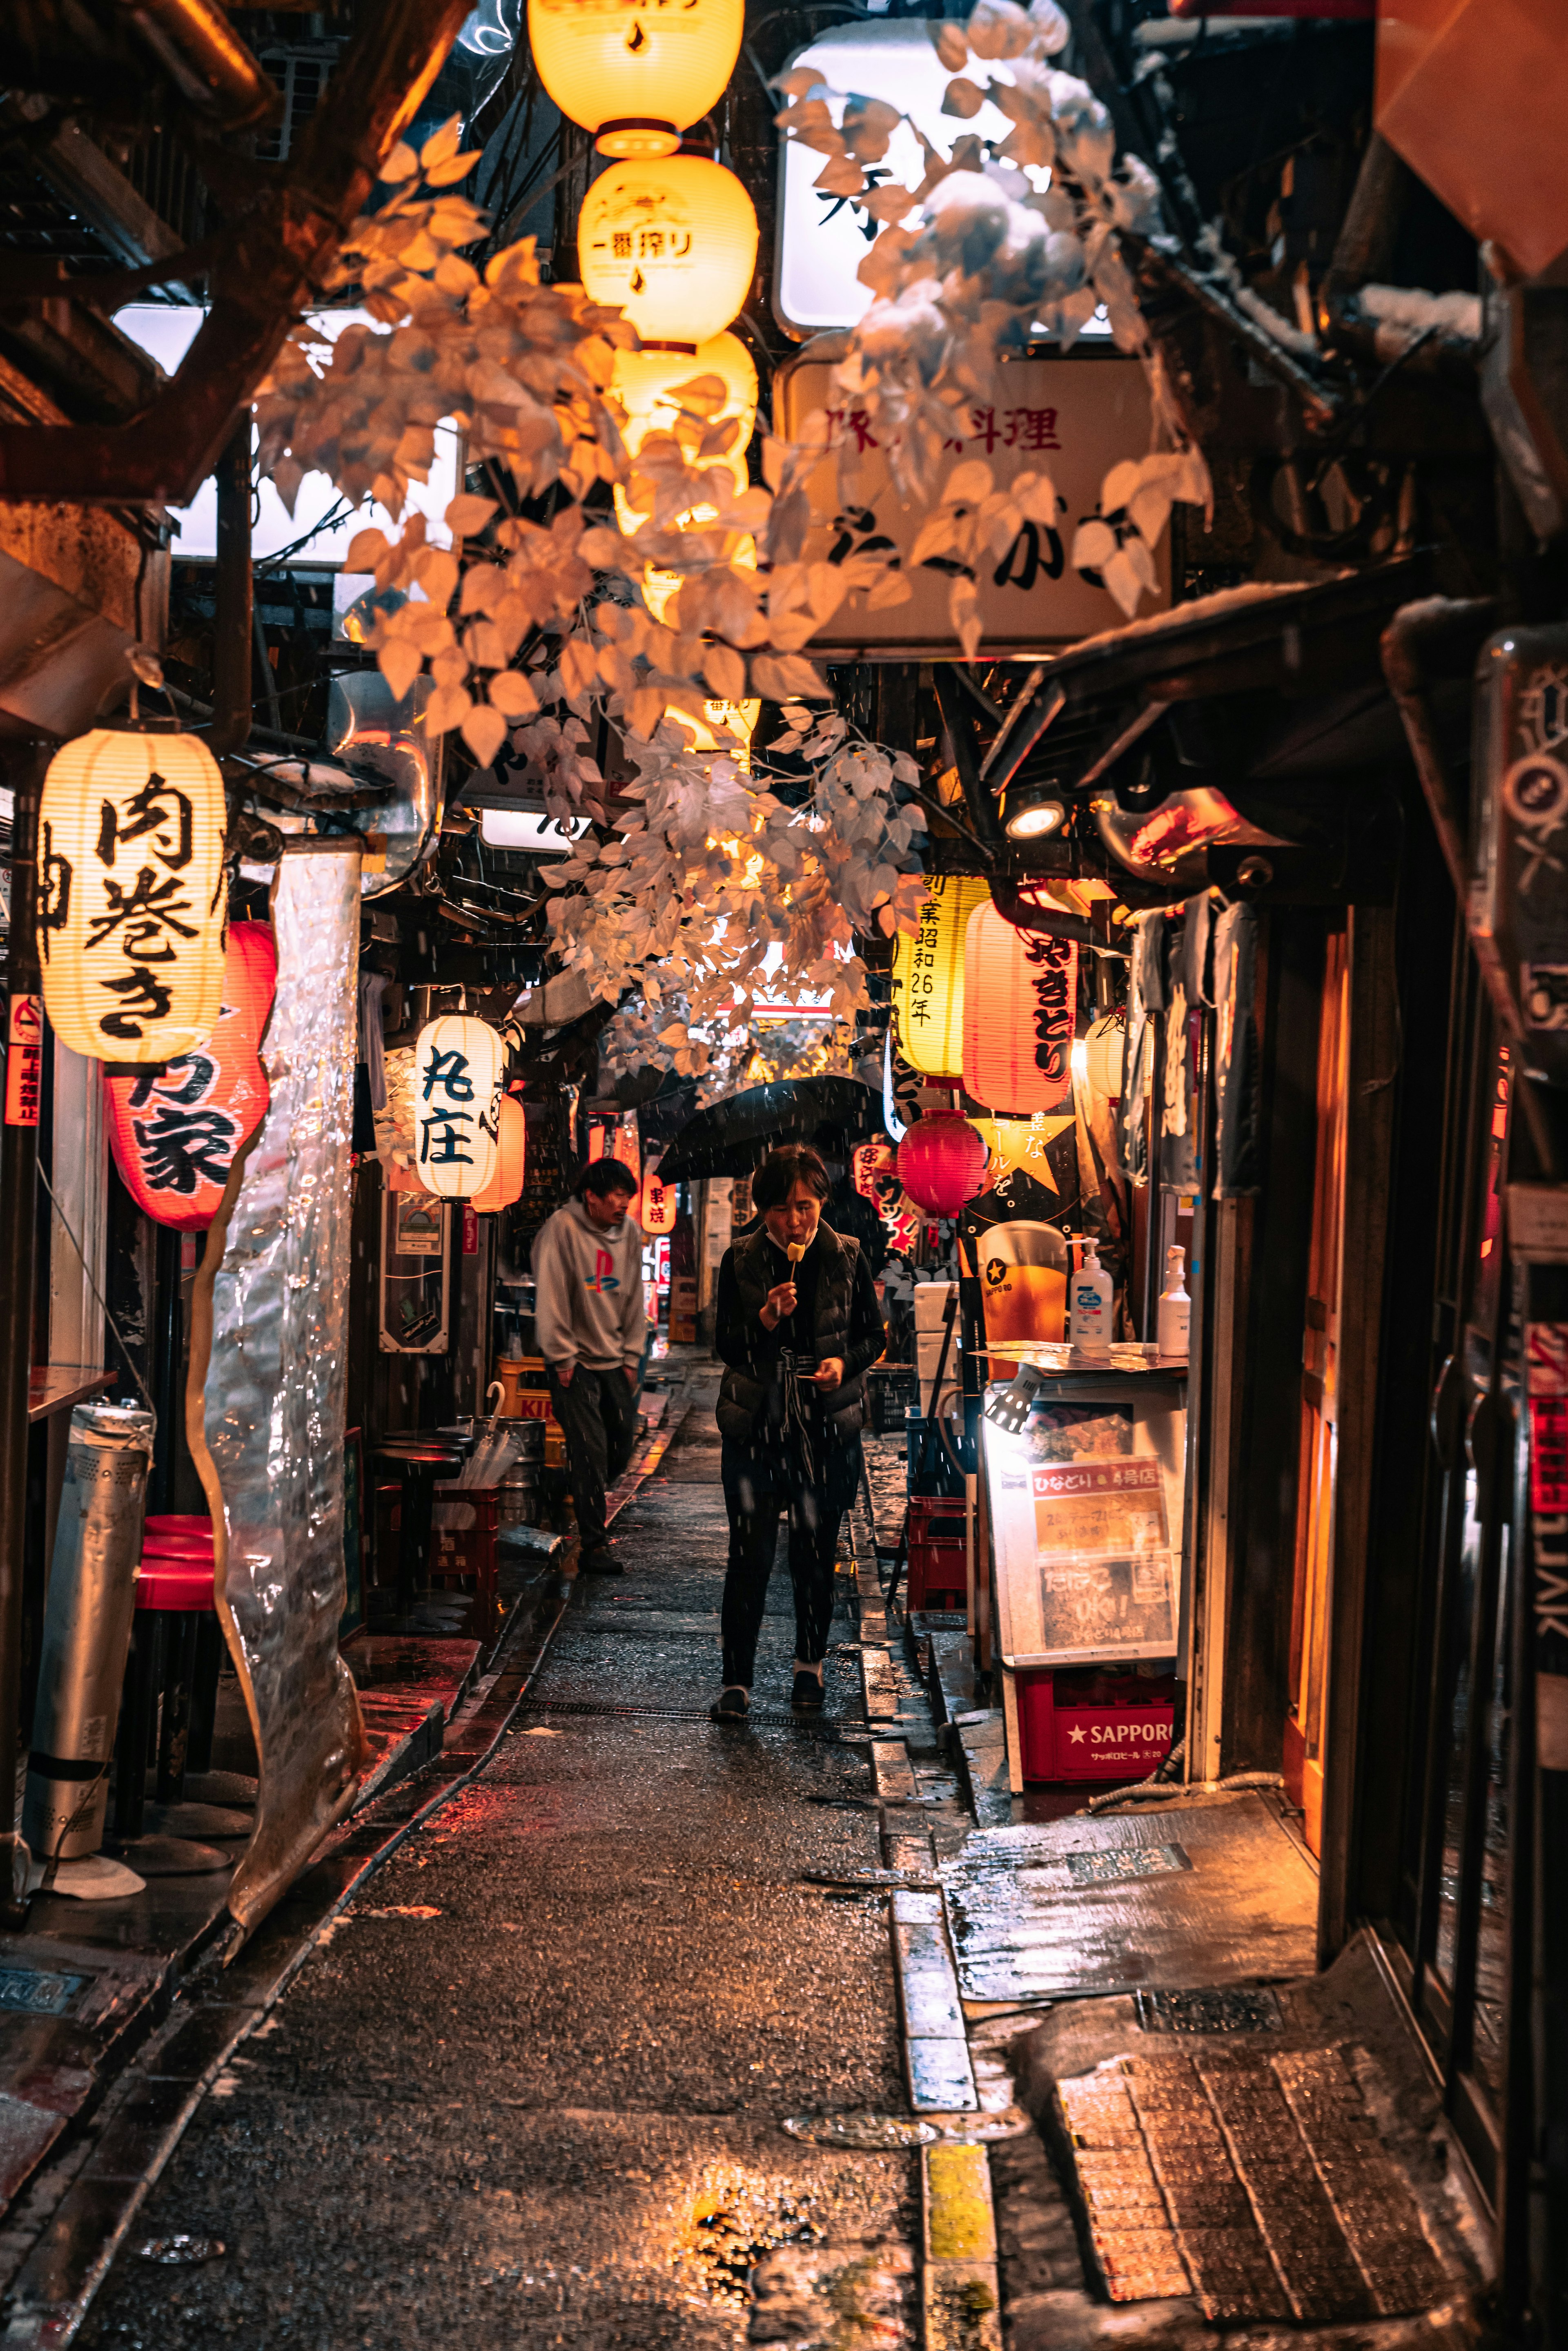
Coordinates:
[656,1208]
[1020,1005]
[511,1154]
[941,1161]
[176,1131]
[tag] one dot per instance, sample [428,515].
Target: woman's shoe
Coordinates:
[731,1705]
[806,1697]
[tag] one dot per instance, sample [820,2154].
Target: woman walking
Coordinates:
[797,1327]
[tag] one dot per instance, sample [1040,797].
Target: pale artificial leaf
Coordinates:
[400,164]
[726,672]
[1119,485]
[447,708]
[967,484]
[963,97]
[400,663]
[1121,578]
[467,515]
[1035,497]
[962,611]
[512,694]
[1093,545]
[892,588]
[366,549]
[443,144]
[456,167]
[484,731]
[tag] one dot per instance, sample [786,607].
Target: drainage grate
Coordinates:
[1125,1861]
[37,1994]
[1208,2012]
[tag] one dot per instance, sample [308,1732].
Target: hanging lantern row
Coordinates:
[132,894]
[176,1131]
[636,77]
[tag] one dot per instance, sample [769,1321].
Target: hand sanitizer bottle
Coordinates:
[1089,1325]
[1175,1307]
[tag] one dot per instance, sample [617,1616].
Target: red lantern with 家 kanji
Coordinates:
[941,1161]
[1021,1006]
[175,1132]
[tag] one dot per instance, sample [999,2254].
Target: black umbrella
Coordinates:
[729,1137]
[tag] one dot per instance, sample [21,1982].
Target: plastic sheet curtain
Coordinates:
[264,1409]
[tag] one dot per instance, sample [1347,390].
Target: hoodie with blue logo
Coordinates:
[588,1306]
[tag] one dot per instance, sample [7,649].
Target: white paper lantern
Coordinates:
[132,905]
[457,1069]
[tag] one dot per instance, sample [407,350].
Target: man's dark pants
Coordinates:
[598,1415]
[758,1487]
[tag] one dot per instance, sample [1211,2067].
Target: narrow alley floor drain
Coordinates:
[863,2130]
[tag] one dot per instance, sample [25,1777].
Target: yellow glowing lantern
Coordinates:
[636,77]
[131,895]
[656,1208]
[511,1156]
[673,244]
[928,976]
[457,1067]
[650,384]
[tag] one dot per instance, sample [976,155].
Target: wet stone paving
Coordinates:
[529,2090]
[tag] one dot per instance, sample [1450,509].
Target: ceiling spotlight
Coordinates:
[1034,821]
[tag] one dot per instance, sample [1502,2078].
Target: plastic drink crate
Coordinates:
[937,1575]
[464,1530]
[1093,1726]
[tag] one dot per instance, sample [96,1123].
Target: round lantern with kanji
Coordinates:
[132,894]
[456,1082]
[941,1161]
[656,1206]
[672,244]
[928,977]
[1020,1010]
[636,77]
[176,1131]
[511,1159]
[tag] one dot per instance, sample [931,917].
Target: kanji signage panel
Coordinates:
[1072,419]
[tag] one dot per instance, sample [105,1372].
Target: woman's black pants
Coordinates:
[758,1489]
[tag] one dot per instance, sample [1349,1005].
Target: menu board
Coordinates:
[1085,1515]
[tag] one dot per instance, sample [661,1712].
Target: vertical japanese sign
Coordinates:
[24,1059]
[1069,418]
[457,1073]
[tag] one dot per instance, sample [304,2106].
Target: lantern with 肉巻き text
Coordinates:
[457,1067]
[511,1158]
[928,977]
[132,894]
[176,1131]
[1020,1009]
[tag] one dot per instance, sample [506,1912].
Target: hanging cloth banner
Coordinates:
[1236,1053]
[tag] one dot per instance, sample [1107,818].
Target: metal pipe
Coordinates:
[960,726]
[207,63]
[19,1230]
[234,624]
[1046,922]
[167,1350]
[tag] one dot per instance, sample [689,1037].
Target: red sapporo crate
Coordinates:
[466,1526]
[937,1576]
[1078,1726]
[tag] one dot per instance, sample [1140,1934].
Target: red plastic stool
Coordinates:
[176,1648]
[178,1526]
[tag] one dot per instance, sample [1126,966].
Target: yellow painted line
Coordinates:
[960,2224]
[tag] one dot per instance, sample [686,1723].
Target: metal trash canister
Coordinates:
[86,1629]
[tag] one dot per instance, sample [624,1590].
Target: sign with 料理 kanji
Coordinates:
[1068,420]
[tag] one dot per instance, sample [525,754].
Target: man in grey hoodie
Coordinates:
[590,1325]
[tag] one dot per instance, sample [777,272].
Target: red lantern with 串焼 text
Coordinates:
[511,1156]
[941,1161]
[175,1132]
[1020,1005]
[656,1208]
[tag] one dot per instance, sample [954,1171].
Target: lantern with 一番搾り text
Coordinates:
[132,894]
[1020,1009]
[928,977]
[176,1131]
[457,1066]
[671,244]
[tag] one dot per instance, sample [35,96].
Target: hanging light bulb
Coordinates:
[457,1066]
[636,77]
[511,1159]
[131,900]
[673,244]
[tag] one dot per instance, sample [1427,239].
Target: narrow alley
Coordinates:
[529,2089]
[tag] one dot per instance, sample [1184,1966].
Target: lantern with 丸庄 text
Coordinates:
[636,77]
[132,894]
[1020,1009]
[928,978]
[511,1159]
[457,1067]
[656,1208]
[941,1161]
[176,1131]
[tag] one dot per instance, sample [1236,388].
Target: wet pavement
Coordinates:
[529,2089]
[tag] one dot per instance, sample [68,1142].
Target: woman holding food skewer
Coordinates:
[797,1327]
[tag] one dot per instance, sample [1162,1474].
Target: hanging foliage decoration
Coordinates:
[132,894]
[176,1131]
